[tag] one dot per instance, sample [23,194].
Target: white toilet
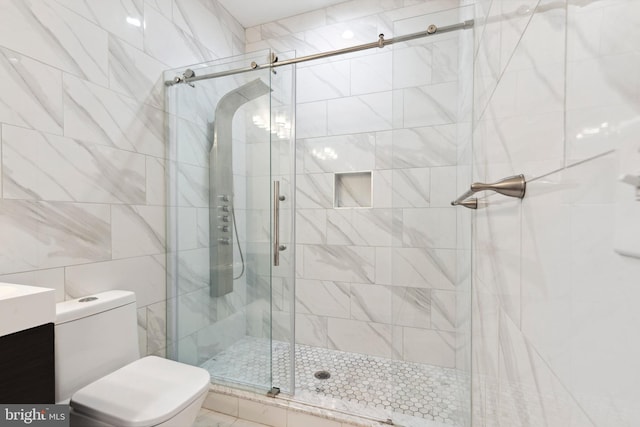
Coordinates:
[100,373]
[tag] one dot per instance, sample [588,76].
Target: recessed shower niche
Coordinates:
[352,190]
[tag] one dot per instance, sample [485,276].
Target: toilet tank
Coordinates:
[94,336]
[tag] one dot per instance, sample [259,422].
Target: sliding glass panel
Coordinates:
[283,173]
[220,218]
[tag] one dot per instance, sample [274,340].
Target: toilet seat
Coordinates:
[144,393]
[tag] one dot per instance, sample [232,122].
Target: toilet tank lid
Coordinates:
[147,392]
[89,305]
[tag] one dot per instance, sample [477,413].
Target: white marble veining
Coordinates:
[444,61]
[444,182]
[192,143]
[411,307]
[205,21]
[372,73]
[136,74]
[56,36]
[186,220]
[124,19]
[341,263]
[360,337]
[443,310]
[366,227]
[311,119]
[193,182]
[412,187]
[363,113]
[344,153]
[165,7]
[422,267]
[171,44]
[424,146]
[52,234]
[322,298]
[411,65]
[416,340]
[95,114]
[382,193]
[156,328]
[430,105]
[371,303]
[193,269]
[155,181]
[323,81]
[433,228]
[314,191]
[31,93]
[311,330]
[311,226]
[48,167]
[137,230]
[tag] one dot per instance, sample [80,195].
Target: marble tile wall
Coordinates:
[82,206]
[379,280]
[554,313]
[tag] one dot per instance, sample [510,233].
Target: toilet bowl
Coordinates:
[99,372]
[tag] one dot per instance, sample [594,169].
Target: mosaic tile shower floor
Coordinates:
[407,393]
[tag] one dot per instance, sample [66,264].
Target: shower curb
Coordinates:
[277,411]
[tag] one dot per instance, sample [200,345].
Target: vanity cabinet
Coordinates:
[27,366]
[27,317]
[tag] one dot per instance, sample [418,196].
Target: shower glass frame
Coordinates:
[279,324]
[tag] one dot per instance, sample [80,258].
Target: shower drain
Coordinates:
[322,375]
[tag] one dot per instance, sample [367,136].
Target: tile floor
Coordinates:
[407,393]
[208,418]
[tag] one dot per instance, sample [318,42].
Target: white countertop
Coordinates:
[23,307]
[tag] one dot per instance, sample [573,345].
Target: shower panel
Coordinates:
[222,222]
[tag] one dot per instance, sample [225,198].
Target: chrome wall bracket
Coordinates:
[513,186]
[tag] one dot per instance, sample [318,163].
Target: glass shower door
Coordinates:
[221,221]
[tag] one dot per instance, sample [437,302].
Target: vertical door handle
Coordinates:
[276,223]
[277,247]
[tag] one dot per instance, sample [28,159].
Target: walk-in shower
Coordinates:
[367,309]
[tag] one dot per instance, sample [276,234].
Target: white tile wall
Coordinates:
[548,283]
[31,93]
[394,112]
[83,144]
